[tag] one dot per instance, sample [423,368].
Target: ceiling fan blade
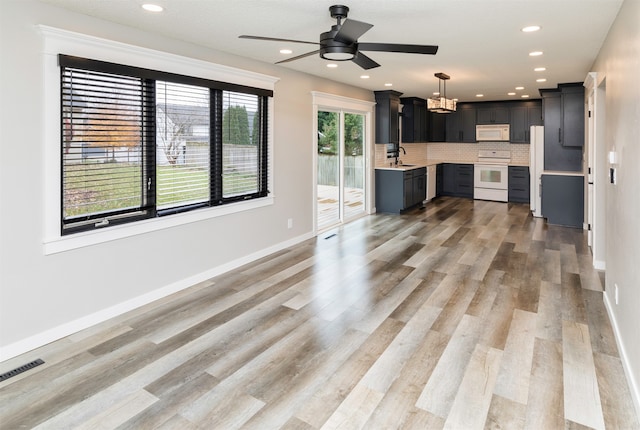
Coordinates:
[299,57]
[351,30]
[275,39]
[365,62]
[396,47]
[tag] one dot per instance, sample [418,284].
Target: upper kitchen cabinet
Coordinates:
[493,113]
[414,119]
[387,116]
[563,114]
[522,116]
[572,99]
[461,124]
[436,127]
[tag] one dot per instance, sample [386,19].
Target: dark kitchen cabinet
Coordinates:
[563,199]
[521,117]
[439,180]
[519,184]
[461,124]
[457,180]
[464,180]
[573,116]
[563,115]
[398,190]
[495,113]
[436,127]
[387,116]
[414,119]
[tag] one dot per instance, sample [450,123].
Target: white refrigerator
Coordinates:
[536,167]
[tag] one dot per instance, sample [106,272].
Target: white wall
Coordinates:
[44,296]
[619,64]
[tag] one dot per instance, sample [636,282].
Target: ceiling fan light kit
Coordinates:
[341,42]
[441,104]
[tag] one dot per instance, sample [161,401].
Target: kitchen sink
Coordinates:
[406,165]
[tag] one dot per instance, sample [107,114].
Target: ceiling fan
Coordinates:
[341,42]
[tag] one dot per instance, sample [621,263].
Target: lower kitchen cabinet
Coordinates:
[519,184]
[397,190]
[563,199]
[457,180]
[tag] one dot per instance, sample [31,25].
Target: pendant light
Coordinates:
[441,104]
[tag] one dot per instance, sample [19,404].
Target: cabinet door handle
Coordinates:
[559,135]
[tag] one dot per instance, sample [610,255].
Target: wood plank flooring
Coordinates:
[463,315]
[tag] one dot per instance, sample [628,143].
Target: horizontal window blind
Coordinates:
[242,128]
[182,144]
[102,152]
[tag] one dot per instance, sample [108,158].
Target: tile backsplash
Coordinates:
[418,153]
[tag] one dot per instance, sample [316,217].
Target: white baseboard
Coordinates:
[628,371]
[599,265]
[63,330]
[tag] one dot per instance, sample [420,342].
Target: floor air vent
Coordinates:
[21,369]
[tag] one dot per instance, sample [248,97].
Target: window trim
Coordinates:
[62,41]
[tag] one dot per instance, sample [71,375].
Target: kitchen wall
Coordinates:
[422,153]
[618,76]
[43,297]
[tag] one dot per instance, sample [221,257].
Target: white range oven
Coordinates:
[491,176]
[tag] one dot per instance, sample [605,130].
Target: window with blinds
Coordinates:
[182,145]
[139,143]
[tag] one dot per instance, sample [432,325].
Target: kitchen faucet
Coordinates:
[398,154]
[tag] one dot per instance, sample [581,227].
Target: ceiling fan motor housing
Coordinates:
[331,49]
[338,11]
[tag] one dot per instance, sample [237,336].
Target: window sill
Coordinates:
[58,244]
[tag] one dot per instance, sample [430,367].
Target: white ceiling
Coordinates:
[481,45]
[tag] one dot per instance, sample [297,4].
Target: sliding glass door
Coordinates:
[340,167]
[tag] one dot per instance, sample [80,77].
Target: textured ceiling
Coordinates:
[481,45]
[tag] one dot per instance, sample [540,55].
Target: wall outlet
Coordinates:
[290,223]
[615,293]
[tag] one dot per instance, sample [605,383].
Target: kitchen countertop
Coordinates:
[561,173]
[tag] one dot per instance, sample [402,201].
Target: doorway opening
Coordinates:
[340,167]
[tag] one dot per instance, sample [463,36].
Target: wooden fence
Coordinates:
[353,170]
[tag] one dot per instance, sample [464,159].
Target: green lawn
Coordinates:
[98,187]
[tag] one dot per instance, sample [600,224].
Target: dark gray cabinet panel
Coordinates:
[519,184]
[387,120]
[439,180]
[558,104]
[397,190]
[522,116]
[436,127]
[414,119]
[563,200]
[573,117]
[457,180]
[461,124]
[493,114]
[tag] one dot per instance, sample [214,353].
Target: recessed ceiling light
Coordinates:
[479,95]
[519,88]
[525,96]
[332,65]
[388,84]
[286,51]
[152,7]
[541,80]
[531,28]
[539,69]
[535,53]
[364,76]
[511,94]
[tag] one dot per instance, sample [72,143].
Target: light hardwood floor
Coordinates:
[464,315]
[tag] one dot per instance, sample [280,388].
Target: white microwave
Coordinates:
[492,133]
